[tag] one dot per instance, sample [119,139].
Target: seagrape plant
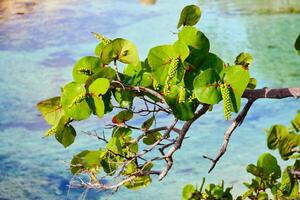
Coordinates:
[180,82]
[269,180]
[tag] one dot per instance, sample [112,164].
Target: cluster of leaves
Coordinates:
[269,179]
[186,74]
[211,191]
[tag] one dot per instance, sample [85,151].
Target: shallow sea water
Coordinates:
[38,50]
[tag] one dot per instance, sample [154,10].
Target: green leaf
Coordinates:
[99,86]
[138,182]
[130,168]
[67,136]
[151,138]
[188,192]
[214,62]
[114,145]
[86,67]
[74,102]
[183,110]
[256,171]
[296,122]
[59,127]
[244,59]
[269,165]
[98,49]
[148,123]
[190,15]
[191,36]
[159,59]
[108,54]
[122,117]
[287,181]
[181,49]
[126,51]
[197,43]
[238,78]
[51,110]
[262,196]
[275,134]
[288,144]
[252,83]
[206,88]
[146,79]
[124,97]
[86,160]
[99,106]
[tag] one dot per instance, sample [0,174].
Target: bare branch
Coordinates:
[237,122]
[178,143]
[278,93]
[139,89]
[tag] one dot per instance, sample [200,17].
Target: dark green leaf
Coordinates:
[122,117]
[190,15]
[244,59]
[269,165]
[148,123]
[151,138]
[67,136]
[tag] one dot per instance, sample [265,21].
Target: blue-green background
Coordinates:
[37,53]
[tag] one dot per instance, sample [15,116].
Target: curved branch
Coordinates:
[139,89]
[178,143]
[237,122]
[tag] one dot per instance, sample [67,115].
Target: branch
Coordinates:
[237,122]
[278,93]
[139,89]
[177,145]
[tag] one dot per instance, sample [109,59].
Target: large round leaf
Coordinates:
[159,59]
[86,67]
[74,102]
[238,78]
[99,86]
[214,62]
[190,15]
[269,165]
[206,87]
[197,42]
[191,36]
[126,51]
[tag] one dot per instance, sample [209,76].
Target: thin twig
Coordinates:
[237,122]
[177,145]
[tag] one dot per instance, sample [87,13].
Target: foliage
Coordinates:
[174,79]
[268,179]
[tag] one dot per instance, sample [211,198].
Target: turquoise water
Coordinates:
[38,50]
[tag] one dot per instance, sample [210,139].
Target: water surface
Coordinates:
[40,42]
